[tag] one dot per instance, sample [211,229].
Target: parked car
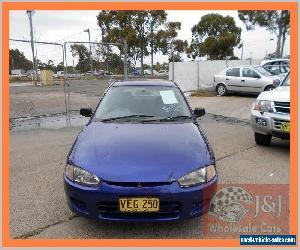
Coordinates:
[58,74]
[163,73]
[141,157]
[148,72]
[270,115]
[277,66]
[248,79]
[108,73]
[136,72]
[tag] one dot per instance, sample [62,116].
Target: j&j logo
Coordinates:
[227,204]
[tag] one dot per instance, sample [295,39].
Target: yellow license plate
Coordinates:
[285,127]
[139,204]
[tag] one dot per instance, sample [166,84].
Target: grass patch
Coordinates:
[20,79]
[203,93]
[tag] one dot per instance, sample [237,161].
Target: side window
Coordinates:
[284,67]
[233,72]
[268,67]
[247,72]
[275,70]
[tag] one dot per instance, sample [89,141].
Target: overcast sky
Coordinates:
[59,26]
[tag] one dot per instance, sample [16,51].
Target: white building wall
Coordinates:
[200,74]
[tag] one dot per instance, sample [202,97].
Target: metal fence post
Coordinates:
[198,75]
[66,86]
[125,60]
[64,78]
[173,66]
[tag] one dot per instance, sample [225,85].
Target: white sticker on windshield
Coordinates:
[168,96]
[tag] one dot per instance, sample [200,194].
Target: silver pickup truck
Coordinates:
[270,114]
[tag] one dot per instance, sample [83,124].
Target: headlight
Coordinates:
[198,176]
[263,106]
[81,176]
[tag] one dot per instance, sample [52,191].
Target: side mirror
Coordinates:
[87,112]
[276,82]
[198,112]
[258,76]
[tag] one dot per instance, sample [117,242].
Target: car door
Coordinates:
[251,80]
[232,79]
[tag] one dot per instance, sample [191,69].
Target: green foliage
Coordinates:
[166,43]
[17,60]
[83,54]
[60,67]
[161,66]
[140,30]
[113,63]
[46,66]
[215,36]
[117,26]
[277,22]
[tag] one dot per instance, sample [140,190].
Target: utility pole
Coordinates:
[30,13]
[91,58]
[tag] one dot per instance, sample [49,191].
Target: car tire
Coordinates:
[263,140]
[269,88]
[221,89]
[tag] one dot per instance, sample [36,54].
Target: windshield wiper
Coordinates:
[170,118]
[125,117]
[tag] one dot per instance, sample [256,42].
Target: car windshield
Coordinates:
[286,81]
[127,103]
[263,71]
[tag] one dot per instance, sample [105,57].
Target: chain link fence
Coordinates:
[90,67]
[36,91]
[67,76]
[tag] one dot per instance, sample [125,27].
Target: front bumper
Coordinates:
[176,203]
[272,124]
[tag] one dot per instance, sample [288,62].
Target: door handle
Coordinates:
[227,79]
[242,80]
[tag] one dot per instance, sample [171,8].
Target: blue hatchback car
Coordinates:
[141,157]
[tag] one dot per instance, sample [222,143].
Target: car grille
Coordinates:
[278,122]
[138,184]
[282,107]
[111,210]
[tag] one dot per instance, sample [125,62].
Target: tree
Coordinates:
[275,21]
[60,67]
[138,28]
[166,43]
[17,60]
[117,26]
[215,36]
[114,63]
[157,18]
[82,52]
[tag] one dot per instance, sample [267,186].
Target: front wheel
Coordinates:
[221,89]
[269,88]
[263,140]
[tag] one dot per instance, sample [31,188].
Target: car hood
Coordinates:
[127,152]
[279,94]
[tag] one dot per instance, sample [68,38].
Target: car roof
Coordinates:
[275,60]
[144,82]
[242,66]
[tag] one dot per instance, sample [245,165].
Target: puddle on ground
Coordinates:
[48,122]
